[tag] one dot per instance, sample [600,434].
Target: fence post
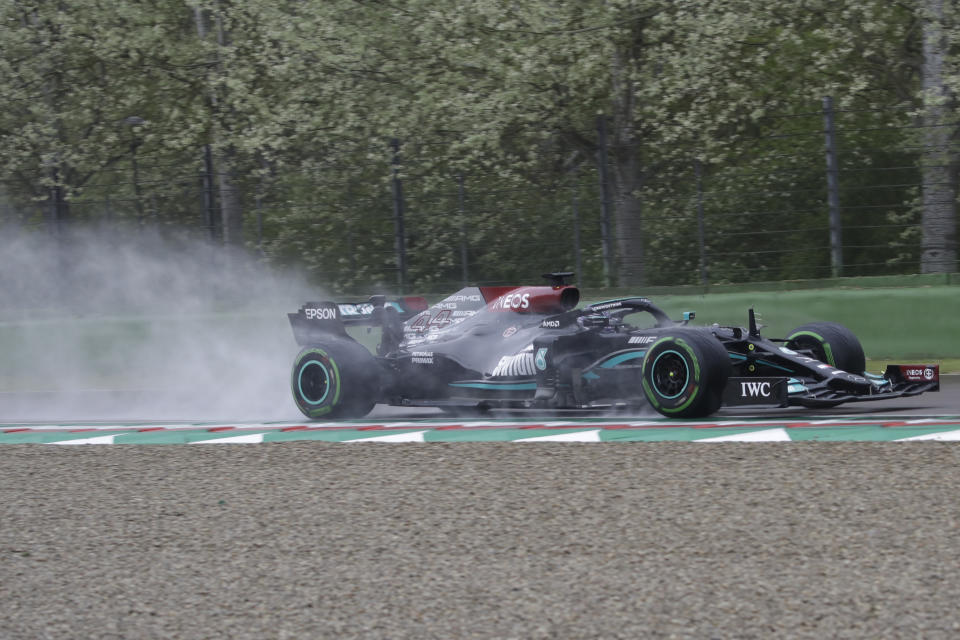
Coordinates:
[701,240]
[575,209]
[833,191]
[605,238]
[463,231]
[208,198]
[398,230]
[261,194]
[348,220]
[258,206]
[53,213]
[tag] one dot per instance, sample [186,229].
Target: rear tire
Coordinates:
[335,380]
[684,374]
[831,343]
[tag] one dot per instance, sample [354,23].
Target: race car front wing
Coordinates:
[897,381]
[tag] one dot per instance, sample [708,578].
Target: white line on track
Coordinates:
[93,440]
[767,435]
[577,436]
[247,438]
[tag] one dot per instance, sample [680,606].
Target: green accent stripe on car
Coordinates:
[503,386]
[775,366]
[623,357]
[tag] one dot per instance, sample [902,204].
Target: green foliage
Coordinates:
[299,102]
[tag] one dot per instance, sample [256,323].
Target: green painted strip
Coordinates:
[850,430]
[863,434]
[677,434]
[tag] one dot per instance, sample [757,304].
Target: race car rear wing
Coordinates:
[315,321]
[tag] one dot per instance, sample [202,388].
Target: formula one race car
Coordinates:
[531,347]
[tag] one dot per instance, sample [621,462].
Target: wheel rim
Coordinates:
[314,382]
[670,374]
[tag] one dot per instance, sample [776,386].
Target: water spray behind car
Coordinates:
[101,324]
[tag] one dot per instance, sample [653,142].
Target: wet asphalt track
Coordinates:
[143,406]
[488,540]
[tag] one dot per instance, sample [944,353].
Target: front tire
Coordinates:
[335,380]
[831,343]
[684,374]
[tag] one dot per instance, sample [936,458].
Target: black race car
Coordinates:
[531,347]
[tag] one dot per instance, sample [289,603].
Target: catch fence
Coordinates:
[820,193]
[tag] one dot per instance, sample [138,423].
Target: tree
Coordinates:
[298,102]
[76,77]
[941,160]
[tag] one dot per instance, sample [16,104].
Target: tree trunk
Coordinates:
[231,209]
[627,168]
[627,215]
[939,162]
